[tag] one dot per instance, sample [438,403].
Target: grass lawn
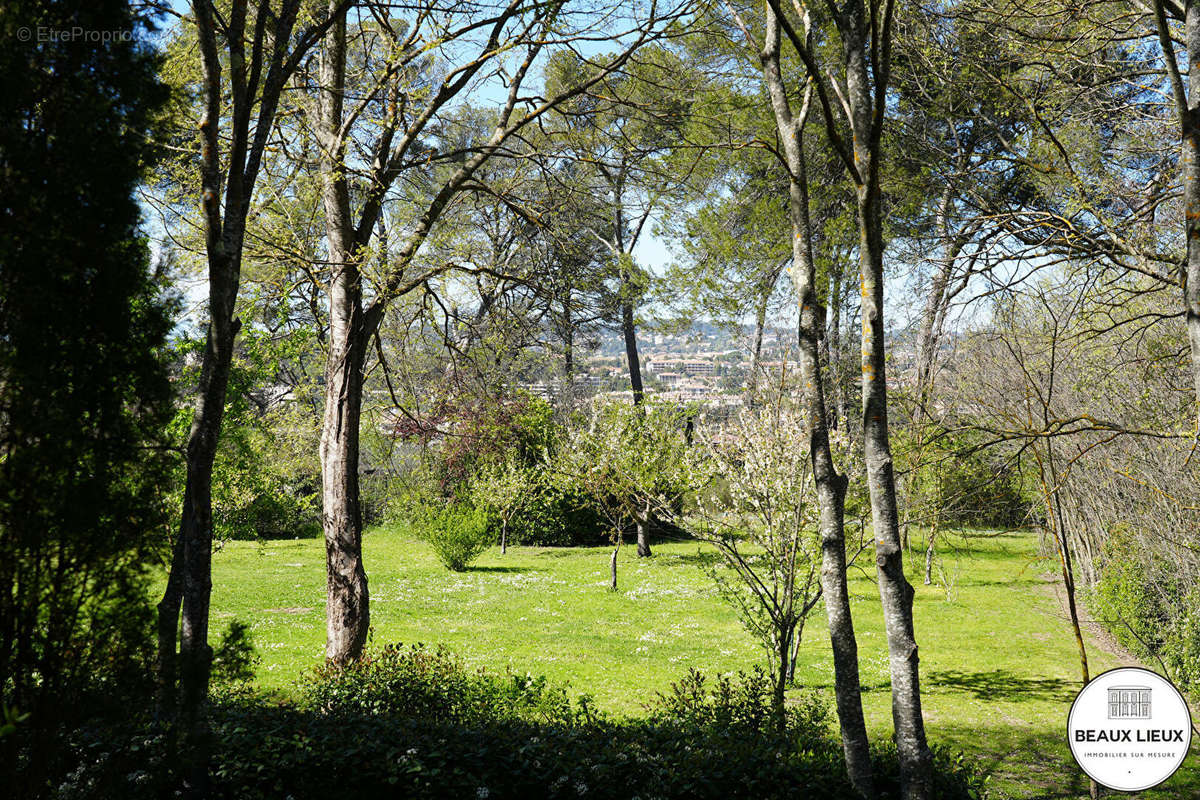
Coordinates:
[999,665]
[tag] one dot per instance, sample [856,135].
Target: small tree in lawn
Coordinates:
[630,459]
[758,508]
[502,488]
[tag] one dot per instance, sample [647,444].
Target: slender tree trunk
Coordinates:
[347,611]
[895,592]
[760,322]
[932,312]
[1190,119]
[831,486]
[779,695]
[504,536]
[796,638]
[929,552]
[612,568]
[631,351]
[568,336]
[254,95]
[833,338]
[168,631]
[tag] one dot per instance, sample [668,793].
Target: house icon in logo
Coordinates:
[1129,702]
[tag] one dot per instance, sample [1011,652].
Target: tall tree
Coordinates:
[248,53]
[830,485]
[1187,109]
[394,126]
[84,395]
[863,40]
[623,133]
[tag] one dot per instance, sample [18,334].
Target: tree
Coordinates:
[264,51]
[830,485]
[623,134]
[1187,109]
[491,42]
[864,41]
[764,523]
[502,488]
[84,395]
[630,459]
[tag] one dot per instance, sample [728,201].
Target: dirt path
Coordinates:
[1097,633]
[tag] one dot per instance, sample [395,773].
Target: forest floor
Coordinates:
[999,664]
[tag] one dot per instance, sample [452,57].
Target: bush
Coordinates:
[458,534]
[435,686]
[416,723]
[1133,606]
[1142,600]
[743,709]
[557,515]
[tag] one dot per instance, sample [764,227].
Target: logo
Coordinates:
[1129,729]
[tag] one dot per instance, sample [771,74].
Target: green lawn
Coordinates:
[999,665]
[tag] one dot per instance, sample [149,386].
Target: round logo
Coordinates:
[1129,729]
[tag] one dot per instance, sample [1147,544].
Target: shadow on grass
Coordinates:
[699,558]
[1038,766]
[504,569]
[1002,684]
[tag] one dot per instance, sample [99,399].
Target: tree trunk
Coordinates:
[1191,192]
[504,536]
[612,567]
[196,530]
[643,540]
[568,336]
[833,348]
[929,554]
[933,312]
[796,638]
[895,592]
[760,321]
[779,695]
[168,630]
[831,487]
[347,611]
[631,351]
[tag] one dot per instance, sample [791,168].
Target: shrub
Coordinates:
[1181,645]
[1141,598]
[742,708]
[557,514]
[435,686]
[458,534]
[416,723]
[1130,603]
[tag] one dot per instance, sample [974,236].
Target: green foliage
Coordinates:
[631,459]
[416,723]
[266,476]
[557,513]
[435,686]
[967,486]
[1143,601]
[744,708]
[458,534]
[84,393]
